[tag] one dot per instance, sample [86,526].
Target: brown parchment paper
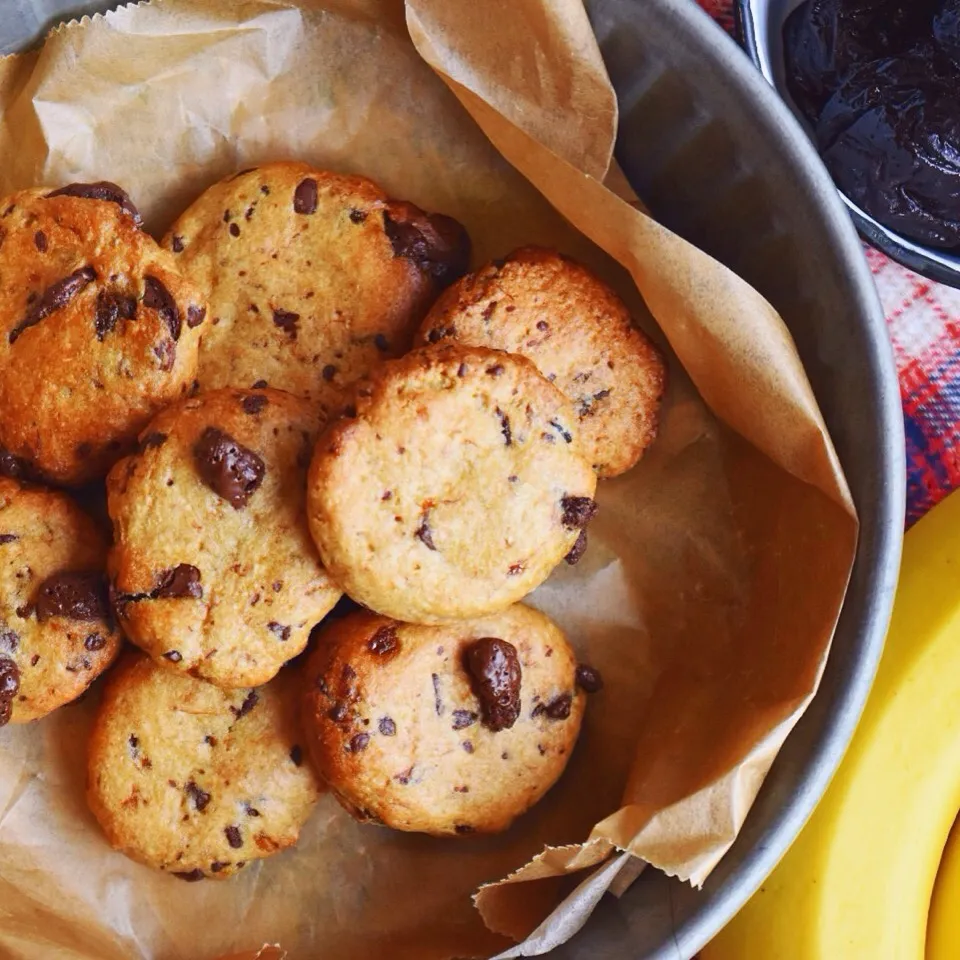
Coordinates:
[716,568]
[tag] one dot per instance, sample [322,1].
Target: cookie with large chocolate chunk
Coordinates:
[194,780]
[451,488]
[554,311]
[213,571]
[99,331]
[57,634]
[446,730]
[313,276]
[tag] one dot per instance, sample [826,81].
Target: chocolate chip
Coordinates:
[9,688]
[358,742]
[559,708]
[101,190]
[227,216]
[95,642]
[542,749]
[505,427]
[252,811]
[357,216]
[585,406]
[259,385]
[54,298]
[296,757]
[35,659]
[463,719]
[578,511]
[543,325]
[191,876]
[174,656]
[515,569]
[177,244]
[40,241]
[153,440]
[210,740]
[464,828]
[439,333]
[253,404]
[217,866]
[305,196]
[199,797]
[195,316]
[8,538]
[234,230]
[279,630]
[578,549]
[462,370]
[495,676]
[387,727]
[157,297]
[329,372]
[286,320]
[467,746]
[436,244]
[338,711]
[182,580]
[233,836]
[231,470]
[495,371]
[423,533]
[566,434]
[589,679]
[384,641]
[74,596]
[112,306]
[404,777]
[249,702]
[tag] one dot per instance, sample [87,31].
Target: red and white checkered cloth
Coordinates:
[923,318]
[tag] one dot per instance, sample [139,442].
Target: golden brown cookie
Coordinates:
[313,276]
[213,571]
[455,488]
[57,634]
[98,331]
[195,780]
[446,730]
[551,309]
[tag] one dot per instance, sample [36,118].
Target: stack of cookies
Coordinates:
[300,401]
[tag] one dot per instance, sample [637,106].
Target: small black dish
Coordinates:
[759,25]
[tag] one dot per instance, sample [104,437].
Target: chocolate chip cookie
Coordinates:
[56,631]
[213,571]
[451,487]
[98,331]
[452,729]
[195,780]
[545,306]
[313,276]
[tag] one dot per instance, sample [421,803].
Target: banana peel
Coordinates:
[857,883]
[943,929]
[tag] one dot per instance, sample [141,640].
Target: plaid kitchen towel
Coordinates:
[923,318]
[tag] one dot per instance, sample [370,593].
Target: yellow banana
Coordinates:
[943,931]
[857,883]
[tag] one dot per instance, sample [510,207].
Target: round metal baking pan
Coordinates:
[760,25]
[718,158]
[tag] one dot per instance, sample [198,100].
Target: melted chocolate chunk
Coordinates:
[182,580]
[436,244]
[559,708]
[54,298]
[578,549]
[112,306]
[157,297]
[101,190]
[253,404]
[9,688]
[8,538]
[249,702]
[589,679]
[287,321]
[384,641]
[191,876]
[495,676]
[578,511]
[199,797]
[234,838]
[231,470]
[195,315]
[75,596]
[305,196]
[94,642]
